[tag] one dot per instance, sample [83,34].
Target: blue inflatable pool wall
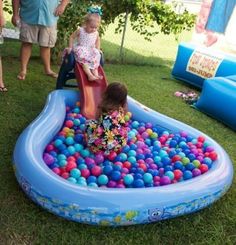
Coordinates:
[109,206]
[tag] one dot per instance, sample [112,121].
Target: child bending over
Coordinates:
[109,132]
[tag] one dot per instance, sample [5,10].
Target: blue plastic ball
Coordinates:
[107,169]
[102,179]
[128,179]
[75,173]
[187,175]
[138,183]
[148,178]
[115,175]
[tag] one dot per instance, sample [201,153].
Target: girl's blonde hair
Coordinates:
[89,17]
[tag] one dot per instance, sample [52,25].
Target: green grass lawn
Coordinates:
[23,222]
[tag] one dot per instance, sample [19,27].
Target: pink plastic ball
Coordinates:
[69,124]
[96,171]
[85,173]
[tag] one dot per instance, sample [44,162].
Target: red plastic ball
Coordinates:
[176,158]
[203,168]
[96,170]
[213,155]
[112,156]
[127,164]
[69,124]
[85,172]
[143,167]
[65,175]
[201,139]
[70,165]
[178,174]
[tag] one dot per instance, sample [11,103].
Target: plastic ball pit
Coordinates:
[86,203]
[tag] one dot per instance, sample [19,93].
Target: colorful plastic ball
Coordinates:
[112,155]
[125,149]
[99,158]
[75,173]
[177,174]
[138,183]
[165,180]
[128,179]
[213,155]
[196,163]
[84,153]
[115,175]
[187,175]
[92,184]
[76,122]
[61,157]
[56,170]
[102,179]
[148,178]
[69,124]
[69,140]
[170,174]
[65,175]
[185,160]
[78,147]
[48,159]
[71,150]
[96,170]
[85,173]
[203,168]
[72,180]
[135,124]
[196,172]
[111,184]
[190,166]
[132,159]
[131,153]
[91,179]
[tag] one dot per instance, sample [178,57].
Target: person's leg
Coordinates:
[2,86]
[45,53]
[89,74]
[96,74]
[47,40]
[25,54]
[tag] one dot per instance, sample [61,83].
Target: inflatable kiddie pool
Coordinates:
[110,206]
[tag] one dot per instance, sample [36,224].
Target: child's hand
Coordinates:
[68,50]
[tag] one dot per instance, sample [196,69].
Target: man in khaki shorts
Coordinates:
[38,24]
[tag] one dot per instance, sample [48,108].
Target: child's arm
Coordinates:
[72,38]
[98,43]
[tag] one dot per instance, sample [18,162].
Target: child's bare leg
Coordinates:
[90,75]
[96,74]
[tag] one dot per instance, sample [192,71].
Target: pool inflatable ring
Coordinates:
[114,207]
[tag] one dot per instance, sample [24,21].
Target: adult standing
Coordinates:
[2,86]
[38,24]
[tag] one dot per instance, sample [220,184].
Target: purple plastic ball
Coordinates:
[165,180]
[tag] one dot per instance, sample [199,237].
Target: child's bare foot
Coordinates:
[99,77]
[21,75]
[92,78]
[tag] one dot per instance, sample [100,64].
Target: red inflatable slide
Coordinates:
[90,92]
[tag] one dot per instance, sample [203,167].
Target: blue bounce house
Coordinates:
[214,73]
